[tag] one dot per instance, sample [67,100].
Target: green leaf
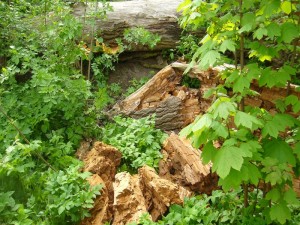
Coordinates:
[227,45]
[209,59]
[185,132]
[280,212]
[274,195]
[273,30]
[248,21]
[280,150]
[290,197]
[253,173]
[208,152]
[286,7]
[289,31]
[222,108]
[220,129]
[232,181]
[278,123]
[226,158]
[241,84]
[246,120]
[61,209]
[204,122]
[259,33]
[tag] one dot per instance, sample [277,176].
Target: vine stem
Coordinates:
[25,139]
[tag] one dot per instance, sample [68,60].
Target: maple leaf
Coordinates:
[246,120]
[280,150]
[280,212]
[226,158]
[227,45]
[210,58]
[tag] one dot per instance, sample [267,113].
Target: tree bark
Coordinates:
[159,17]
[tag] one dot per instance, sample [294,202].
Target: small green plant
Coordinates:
[135,84]
[137,139]
[140,35]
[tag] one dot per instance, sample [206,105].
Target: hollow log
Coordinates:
[159,17]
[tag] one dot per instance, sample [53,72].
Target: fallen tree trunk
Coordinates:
[159,17]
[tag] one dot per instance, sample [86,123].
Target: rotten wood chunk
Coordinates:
[129,203]
[175,106]
[182,165]
[101,204]
[160,193]
[104,160]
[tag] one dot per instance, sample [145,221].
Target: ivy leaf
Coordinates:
[280,150]
[227,45]
[280,212]
[246,120]
[209,59]
[226,158]
[289,31]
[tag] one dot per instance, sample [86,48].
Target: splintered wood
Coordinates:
[160,193]
[129,203]
[103,160]
[181,164]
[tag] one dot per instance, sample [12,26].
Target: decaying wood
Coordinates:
[159,17]
[175,106]
[160,193]
[129,203]
[181,164]
[101,204]
[104,160]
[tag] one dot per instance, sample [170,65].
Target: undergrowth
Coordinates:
[137,139]
[219,208]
